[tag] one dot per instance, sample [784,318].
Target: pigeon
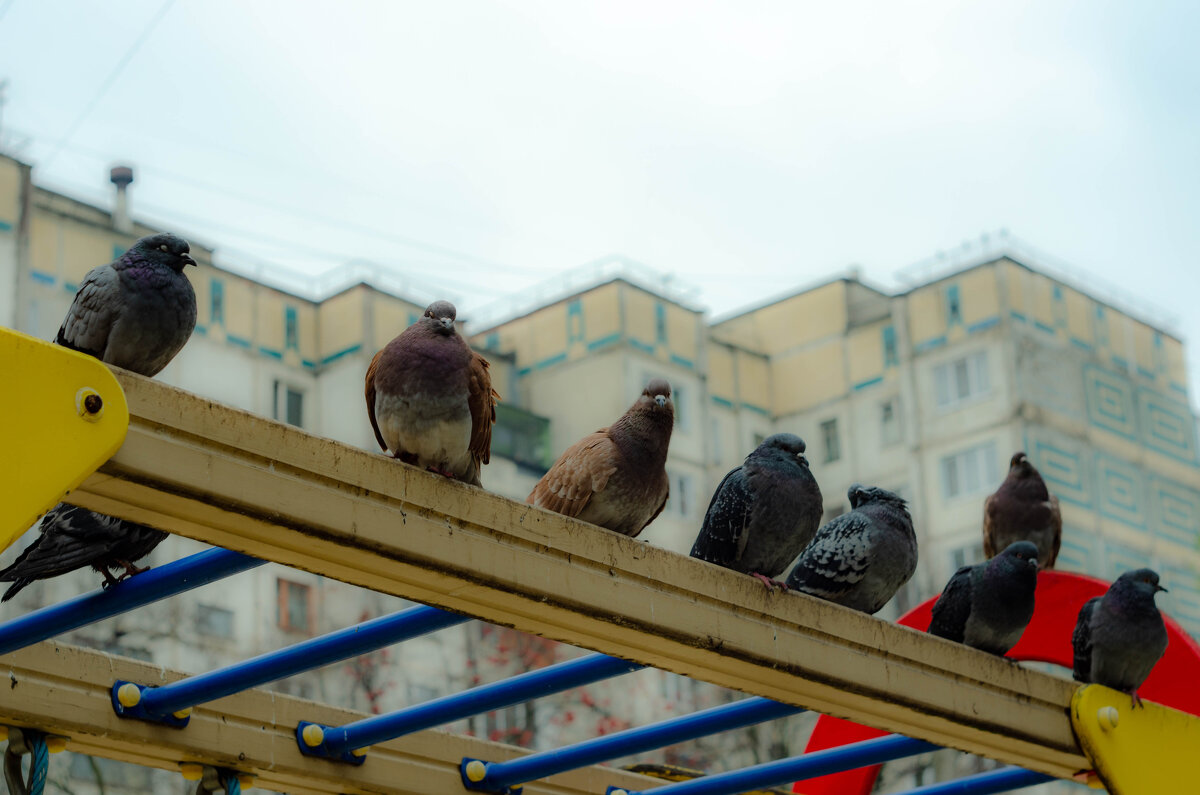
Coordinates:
[616,477]
[1022,509]
[430,398]
[72,538]
[861,558]
[137,311]
[763,513]
[1120,636]
[987,606]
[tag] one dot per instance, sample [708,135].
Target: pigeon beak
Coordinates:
[447,322]
[1158,588]
[660,400]
[187,259]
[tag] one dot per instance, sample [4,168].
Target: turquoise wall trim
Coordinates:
[756,409]
[1167,426]
[604,341]
[550,361]
[241,342]
[1142,371]
[1078,343]
[524,371]
[1015,315]
[201,329]
[869,382]
[291,328]
[5,226]
[1180,388]
[720,401]
[641,346]
[309,363]
[492,341]
[1110,401]
[216,302]
[42,278]
[1177,511]
[70,288]
[930,344]
[1043,327]
[1119,361]
[984,325]
[333,357]
[269,352]
[575,326]
[1121,491]
[891,354]
[953,305]
[1062,467]
[682,362]
[118,250]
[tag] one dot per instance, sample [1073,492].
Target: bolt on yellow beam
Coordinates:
[65,415]
[1145,751]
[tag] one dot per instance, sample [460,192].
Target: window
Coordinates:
[683,416]
[660,323]
[961,380]
[891,355]
[293,613]
[216,622]
[889,419]
[1060,308]
[217,301]
[289,404]
[973,471]
[680,499]
[575,321]
[953,305]
[1101,326]
[291,329]
[968,555]
[829,437]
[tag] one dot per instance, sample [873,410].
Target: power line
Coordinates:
[112,77]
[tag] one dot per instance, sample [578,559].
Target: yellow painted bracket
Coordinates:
[64,415]
[1145,751]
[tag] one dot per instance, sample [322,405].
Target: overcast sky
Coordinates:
[746,148]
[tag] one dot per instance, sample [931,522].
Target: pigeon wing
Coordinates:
[583,470]
[1081,641]
[722,537]
[71,538]
[92,313]
[1056,524]
[482,400]
[991,507]
[836,560]
[372,368]
[953,607]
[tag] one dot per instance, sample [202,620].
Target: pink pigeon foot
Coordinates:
[767,581]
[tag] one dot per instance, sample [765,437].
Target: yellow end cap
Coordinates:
[360,751]
[476,771]
[313,735]
[55,744]
[620,792]
[183,713]
[245,780]
[191,771]
[129,694]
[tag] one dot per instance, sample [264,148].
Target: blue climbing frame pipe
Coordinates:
[149,586]
[499,776]
[370,635]
[1003,780]
[340,741]
[785,771]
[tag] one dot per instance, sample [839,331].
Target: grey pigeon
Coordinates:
[616,477]
[763,513]
[1023,509]
[861,558]
[1120,636]
[72,538]
[137,312]
[430,398]
[987,606]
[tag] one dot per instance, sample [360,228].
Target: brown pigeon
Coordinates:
[616,477]
[1022,509]
[430,398]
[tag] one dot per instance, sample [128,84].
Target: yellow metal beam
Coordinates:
[64,690]
[224,476]
[1143,751]
[64,415]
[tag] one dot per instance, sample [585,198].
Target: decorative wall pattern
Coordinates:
[1110,401]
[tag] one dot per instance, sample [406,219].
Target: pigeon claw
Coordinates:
[767,581]
[440,471]
[1135,699]
[131,569]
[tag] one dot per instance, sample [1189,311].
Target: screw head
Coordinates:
[89,404]
[313,735]
[476,771]
[129,694]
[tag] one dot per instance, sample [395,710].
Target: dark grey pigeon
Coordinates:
[861,558]
[987,606]
[763,513]
[74,537]
[138,311]
[1120,636]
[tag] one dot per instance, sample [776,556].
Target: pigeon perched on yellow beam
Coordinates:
[988,605]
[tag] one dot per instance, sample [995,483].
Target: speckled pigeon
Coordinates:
[1023,509]
[137,312]
[1120,636]
[72,538]
[987,606]
[861,558]
[430,398]
[616,477]
[763,513]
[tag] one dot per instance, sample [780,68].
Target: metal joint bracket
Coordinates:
[310,738]
[474,777]
[127,702]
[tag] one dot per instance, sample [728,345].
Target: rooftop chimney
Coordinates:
[121,176]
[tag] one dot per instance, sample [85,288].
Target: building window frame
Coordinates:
[961,381]
[287,403]
[831,440]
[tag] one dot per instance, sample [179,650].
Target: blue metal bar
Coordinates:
[339,742]
[498,777]
[161,702]
[785,771]
[149,586]
[1002,780]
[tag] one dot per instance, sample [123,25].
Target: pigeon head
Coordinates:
[861,495]
[657,396]
[1020,467]
[784,445]
[1141,581]
[164,249]
[1021,552]
[439,316]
